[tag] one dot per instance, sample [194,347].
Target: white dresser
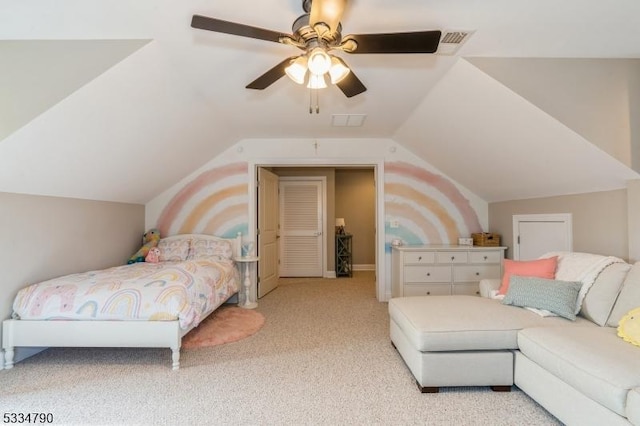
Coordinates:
[443,269]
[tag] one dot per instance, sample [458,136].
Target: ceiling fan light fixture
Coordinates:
[339,70]
[316,82]
[297,70]
[319,61]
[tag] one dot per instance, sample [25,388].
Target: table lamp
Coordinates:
[340,225]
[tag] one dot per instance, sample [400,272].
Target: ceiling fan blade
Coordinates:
[271,76]
[351,85]
[327,11]
[220,26]
[413,42]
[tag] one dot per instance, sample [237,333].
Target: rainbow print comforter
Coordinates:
[141,291]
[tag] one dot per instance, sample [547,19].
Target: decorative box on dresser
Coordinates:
[443,269]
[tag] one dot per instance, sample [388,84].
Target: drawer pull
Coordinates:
[478,293]
[428,293]
[478,273]
[453,257]
[428,274]
[419,257]
[485,258]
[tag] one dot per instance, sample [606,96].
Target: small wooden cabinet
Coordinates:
[344,261]
[431,270]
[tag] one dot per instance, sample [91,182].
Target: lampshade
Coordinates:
[316,82]
[297,70]
[339,221]
[319,61]
[338,70]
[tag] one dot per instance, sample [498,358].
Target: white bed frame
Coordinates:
[103,334]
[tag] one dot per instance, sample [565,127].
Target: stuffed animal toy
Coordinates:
[153,256]
[149,241]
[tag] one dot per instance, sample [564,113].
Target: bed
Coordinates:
[137,305]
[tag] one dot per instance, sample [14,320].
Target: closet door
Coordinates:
[301,230]
[537,234]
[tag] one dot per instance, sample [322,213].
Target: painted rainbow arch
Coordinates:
[214,203]
[428,207]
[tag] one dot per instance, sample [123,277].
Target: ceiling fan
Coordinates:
[317,33]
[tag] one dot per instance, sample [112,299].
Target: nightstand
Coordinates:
[245,296]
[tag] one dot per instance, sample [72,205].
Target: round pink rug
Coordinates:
[226,324]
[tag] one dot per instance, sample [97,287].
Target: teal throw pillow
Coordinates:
[559,297]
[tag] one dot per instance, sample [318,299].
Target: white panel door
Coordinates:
[267,231]
[301,228]
[535,235]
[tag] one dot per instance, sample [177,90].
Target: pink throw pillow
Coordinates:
[541,268]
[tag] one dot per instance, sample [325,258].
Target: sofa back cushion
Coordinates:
[628,298]
[602,295]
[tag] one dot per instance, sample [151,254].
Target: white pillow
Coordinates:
[174,249]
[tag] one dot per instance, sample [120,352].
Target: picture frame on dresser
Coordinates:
[431,270]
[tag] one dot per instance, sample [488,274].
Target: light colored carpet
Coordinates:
[227,324]
[322,357]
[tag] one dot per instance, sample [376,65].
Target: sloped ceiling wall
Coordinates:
[125,136]
[500,145]
[37,74]
[590,96]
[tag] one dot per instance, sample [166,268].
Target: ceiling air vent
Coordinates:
[347,120]
[451,41]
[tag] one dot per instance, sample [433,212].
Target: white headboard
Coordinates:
[235,242]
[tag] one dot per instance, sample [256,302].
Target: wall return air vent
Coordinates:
[452,40]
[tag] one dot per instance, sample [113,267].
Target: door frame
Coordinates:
[382,293]
[566,218]
[323,181]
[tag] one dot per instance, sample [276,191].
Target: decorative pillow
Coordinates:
[559,297]
[207,248]
[541,268]
[629,327]
[173,250]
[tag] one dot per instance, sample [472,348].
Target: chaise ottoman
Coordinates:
[460,340]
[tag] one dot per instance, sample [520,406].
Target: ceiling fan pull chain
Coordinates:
[310,101]
[317,102]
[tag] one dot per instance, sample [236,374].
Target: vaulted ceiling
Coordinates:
[96,94]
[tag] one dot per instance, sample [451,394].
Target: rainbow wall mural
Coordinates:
[428,207]
[214,203]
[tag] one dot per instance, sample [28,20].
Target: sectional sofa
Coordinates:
[579,370]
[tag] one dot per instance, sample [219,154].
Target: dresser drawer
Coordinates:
[419,257]
[467,273]
[451,257]
[484,257]
[427,289]
[427,274]
[471,289]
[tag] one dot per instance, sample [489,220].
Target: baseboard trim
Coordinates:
[364,267]
[329,274]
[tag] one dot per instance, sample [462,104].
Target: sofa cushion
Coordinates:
[633,406]
[593,360]
[628,298]
[558,297]
[453,323]
[598,302]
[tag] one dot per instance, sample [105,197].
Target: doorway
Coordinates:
[334,177]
